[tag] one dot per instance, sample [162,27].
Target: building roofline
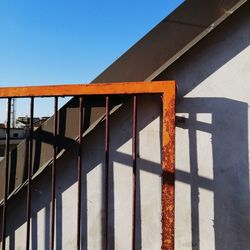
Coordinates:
[169,40]
[164,44]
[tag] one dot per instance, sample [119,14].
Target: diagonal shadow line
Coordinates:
[48,135]
[42,140]
[198,125]
[153,168]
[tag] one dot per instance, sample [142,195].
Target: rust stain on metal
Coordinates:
[134,154]
[87,89]
[106,192]
[79,174]
[168,169]
[167,89]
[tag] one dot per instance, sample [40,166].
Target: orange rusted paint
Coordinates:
[87,89]
[168,169]
[167,89]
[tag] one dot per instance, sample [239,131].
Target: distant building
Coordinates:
[20,132]
[24,121]
[16,136]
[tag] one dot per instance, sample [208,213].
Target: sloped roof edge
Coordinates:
[169,40]
[164,44]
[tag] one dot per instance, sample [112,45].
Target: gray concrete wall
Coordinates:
[212,161]
[148,229]
[212,139]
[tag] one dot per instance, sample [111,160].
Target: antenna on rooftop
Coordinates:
[13,113]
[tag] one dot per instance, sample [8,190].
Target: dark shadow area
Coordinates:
[58,235]
[138,216]
[229,131]
[43,138]
[230,167]
[230,185]
[13,170]
[34,232]
[47,226]
[84,211]
[66,177]
[111,209]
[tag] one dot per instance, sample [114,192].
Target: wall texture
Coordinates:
[148,231]
[212,161]
[212,139]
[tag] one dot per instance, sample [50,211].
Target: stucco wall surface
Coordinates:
[212,139]
[148,211]
[212,161]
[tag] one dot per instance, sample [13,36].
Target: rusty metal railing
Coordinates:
[165,88]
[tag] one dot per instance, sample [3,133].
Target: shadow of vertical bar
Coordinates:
[53,181]
[79,173]
[106,175]
[6,175]
[30,154]
[134,150]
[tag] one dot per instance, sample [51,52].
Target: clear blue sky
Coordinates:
[70,41]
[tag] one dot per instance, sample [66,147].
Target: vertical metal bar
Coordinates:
[168,169]
[106,175]
[28,208]
[6,184]
[79,173]
[134,153]
[53,176]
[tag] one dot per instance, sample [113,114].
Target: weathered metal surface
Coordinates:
[163,52]
[167,89]
[43,139]
[106,181]
[29,173]
[79,174]
[84,89]
[168,169]
[134,156]
[6,183]
[53,176]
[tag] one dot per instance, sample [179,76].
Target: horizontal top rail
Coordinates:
[59,137]
[88,89]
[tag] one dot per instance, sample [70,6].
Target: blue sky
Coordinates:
[69,41]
